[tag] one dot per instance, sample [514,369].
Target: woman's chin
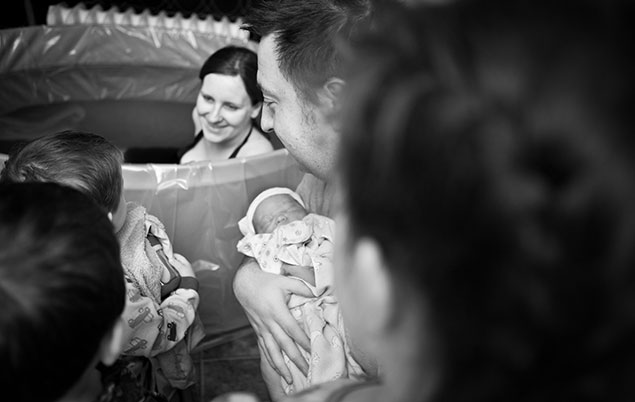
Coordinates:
[214,137]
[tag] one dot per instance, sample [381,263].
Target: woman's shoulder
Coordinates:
[256,144]
[192,152]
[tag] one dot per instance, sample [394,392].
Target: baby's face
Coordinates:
[277,210]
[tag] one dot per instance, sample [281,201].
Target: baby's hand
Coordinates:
[182,265]
[305,273]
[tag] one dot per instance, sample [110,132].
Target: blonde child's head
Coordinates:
[84,161]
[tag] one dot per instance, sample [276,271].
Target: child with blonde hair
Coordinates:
[162,298]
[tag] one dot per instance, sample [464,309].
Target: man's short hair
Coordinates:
[61,288]
[306,34]
[84,161]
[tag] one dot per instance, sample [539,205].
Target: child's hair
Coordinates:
[506,129]
[80,160]
[61,288]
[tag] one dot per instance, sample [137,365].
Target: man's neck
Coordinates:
[318,195]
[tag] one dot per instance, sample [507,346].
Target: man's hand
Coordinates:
[305,273]
[264,298]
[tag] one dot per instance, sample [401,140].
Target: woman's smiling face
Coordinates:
[224,108]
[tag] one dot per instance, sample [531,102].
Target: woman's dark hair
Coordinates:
[489,151]
[61,288]
[235,61]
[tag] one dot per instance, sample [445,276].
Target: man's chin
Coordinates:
[303,168]
[315,170]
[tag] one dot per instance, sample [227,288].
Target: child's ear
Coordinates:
[376,281]
[111,344]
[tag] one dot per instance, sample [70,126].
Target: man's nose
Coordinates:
[266,120]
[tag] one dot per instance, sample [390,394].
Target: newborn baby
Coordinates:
[285,239]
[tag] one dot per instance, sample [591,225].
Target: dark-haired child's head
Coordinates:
[488,157]
[61,290]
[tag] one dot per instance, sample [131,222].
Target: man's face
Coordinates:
[303,127]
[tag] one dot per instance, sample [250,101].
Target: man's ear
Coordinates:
[332,93]
[376,282]
[110,347]
[330,97]
[110,216]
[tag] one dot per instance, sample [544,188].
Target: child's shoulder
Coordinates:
[155,226]
[134,211]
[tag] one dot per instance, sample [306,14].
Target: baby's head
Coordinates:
[86,162]
[276,210]
[272,208]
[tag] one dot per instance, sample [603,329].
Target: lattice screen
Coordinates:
[230,8]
